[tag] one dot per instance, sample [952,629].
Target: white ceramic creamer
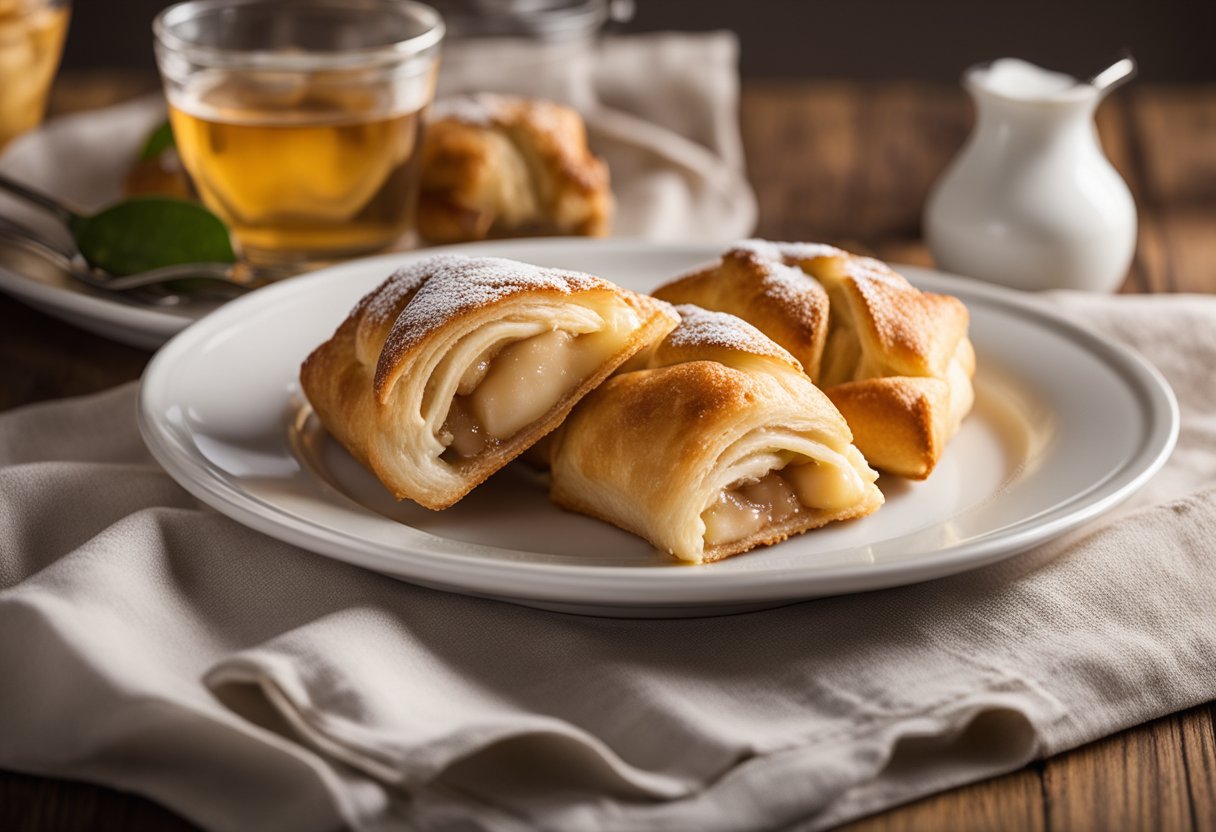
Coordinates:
[1031,201]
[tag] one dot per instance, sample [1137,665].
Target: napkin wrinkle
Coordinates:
[48,432]
[299,682]
[108,674]
[458,669]
[355,713]
[132,724]
[562,750]
[33,498]
[983,733]
[948,715]
[907,759]
[995,738]
[1126,673]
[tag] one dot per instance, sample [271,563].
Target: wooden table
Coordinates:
[842,163]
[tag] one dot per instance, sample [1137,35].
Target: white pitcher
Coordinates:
[1031,201]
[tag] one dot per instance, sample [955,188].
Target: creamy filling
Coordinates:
[463,435]
[748,507]
[745,508]
[826,487]
[508,388]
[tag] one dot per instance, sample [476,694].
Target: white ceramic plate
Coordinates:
[50,159]
[1065,426]
[110,316]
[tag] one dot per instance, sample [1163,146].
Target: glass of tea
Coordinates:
[300,120]
[31,41]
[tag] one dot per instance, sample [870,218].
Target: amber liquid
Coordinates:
[31,40]
[301,173]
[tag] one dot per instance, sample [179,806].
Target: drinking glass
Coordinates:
[31,42]
[300,120]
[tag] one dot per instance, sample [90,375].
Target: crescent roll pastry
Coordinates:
[896,361]
[455,365]
[712,443]
[495,166]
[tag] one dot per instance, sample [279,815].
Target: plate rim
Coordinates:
[148,320]
[567,583]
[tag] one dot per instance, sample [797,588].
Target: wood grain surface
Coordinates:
[849,164]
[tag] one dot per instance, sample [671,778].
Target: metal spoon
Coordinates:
[1115,75]
[25,253]
[237,274]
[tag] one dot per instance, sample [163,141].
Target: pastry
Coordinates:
[455,365]
[495,166]
[896,361]
[710,444]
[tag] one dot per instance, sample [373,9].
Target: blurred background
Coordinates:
[868,40]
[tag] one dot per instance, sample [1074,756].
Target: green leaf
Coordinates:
[150,232]
[159,140]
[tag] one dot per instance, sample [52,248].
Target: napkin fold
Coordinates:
[153,645]
[661,109]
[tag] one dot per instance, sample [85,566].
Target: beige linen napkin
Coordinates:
[153,645]
[661,109]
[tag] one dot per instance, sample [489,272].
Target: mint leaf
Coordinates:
[144,233]
[159,140]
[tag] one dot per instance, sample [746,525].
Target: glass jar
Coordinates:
[31,42]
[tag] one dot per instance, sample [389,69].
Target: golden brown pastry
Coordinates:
[455,365]
[710,444]
[896,361]
[494,166]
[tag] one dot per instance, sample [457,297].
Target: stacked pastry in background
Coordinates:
[497,166]
[706,432]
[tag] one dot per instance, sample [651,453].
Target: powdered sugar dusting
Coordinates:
[547,117]
[490,110]
[867,268]
[451,285]
[386,301]
[798,293]
[898,309]
[788,284]
[905,319]
[482,109]
[788,252]
[906,331]
[704,328]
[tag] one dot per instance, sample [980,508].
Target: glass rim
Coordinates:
[405,49]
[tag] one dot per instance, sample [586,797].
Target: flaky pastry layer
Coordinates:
[712,411]
[455,365]
[896,361]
